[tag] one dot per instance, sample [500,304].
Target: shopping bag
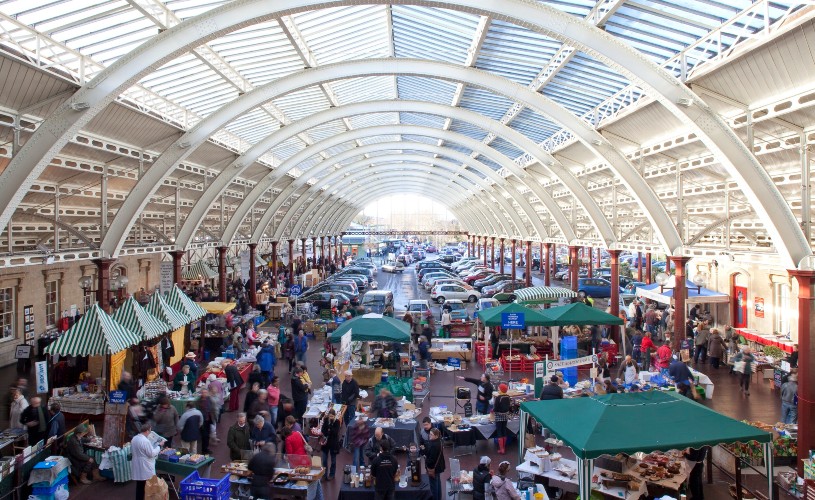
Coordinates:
[156,489]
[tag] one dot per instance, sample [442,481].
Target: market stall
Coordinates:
[596,427]
[218,326]
[367,328]
[512,359]
[664,294]
[106,341]
[179,301]
[146,361]
[177,320]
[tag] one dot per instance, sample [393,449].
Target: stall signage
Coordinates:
[552,365]
[165,277]
[117,397]
[41,369]
[295,290]
[513,320]
[454,363]
[245,265]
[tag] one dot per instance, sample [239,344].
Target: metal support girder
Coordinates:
[62,225]
[593,140]
[545,159]
[361,168]
[93,97]
[417,186]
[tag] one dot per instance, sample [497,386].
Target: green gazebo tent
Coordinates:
[374,327]
[579,314]
[492,316]
[612,424]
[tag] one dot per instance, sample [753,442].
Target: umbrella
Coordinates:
[579,314]
[373,327]
[492,316]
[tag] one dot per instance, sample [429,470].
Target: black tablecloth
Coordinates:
[461,437]
[402,434]
[420,492]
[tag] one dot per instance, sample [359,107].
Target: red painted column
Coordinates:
[599,253]
[291,261]
[103,282]
[614,301]
[574,266]
[501,258]
[253,284]
[680,294]
[222,273]
[177,255]
[806,363]
[547,264]
[528,281]
[274,263]
[648,268]
[590,260]
[667,265]
[639,266]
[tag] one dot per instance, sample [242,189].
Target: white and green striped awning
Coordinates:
[137,319]
[542,294]
[159,308]
[95,334]
[180,302]
[198,271]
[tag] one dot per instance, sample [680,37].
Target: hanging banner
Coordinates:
[345,348]
[117,364]
[41,370]
[552,365]
[245,263]
[165,276]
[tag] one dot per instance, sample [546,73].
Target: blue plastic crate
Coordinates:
[62,477]
[195,487]
[48,491]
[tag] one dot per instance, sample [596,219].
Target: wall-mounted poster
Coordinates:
[28,322]
[759,307]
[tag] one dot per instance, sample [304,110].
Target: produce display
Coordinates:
[782,446]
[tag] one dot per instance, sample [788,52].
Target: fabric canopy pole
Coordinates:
[522,437]
[585,466]
[768,462]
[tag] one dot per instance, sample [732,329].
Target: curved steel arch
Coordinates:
[546,160]
[56,130]
[312,203]
[453,137]
[360,133]
[417,163]
[372,191]
[345,218]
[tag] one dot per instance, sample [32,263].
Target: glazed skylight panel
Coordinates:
[287,148]
[253,126]
[368,88]
[185,9]
[374,119]
[327,130]
[485,102]
[379,139]
[505,148]
[425,89]
[578,8]
[424,139]
[431,33]
[533,125]
[423,119]
[345,33]
[471,130]
[515,52]
[261,52]
[301,103]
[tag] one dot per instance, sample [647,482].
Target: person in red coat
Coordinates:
[647,347]
[295,448]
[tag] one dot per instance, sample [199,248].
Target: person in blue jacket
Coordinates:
[189,360]
[267,362]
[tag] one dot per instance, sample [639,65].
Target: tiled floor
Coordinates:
[762,404]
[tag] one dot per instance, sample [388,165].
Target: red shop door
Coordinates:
[739,306]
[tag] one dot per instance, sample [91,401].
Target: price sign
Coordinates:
[117,397]
[295,290]
[513,321]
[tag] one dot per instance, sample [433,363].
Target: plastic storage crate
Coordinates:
[195,487]
[48,492]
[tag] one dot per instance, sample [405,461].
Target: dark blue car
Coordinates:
[596,287]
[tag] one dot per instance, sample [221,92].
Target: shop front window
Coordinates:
[782,308]
[51,304]
[7,330]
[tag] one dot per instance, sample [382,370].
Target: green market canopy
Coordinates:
[138,320]
[612,423]
[542,294]
[95,334]
[179,301]
[159,308]
[579,314]
[492,316]
[374,327]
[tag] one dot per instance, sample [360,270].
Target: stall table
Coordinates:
[180,404]
[402,433]
[10,436]
[177,471]
[766,339]
[81,403]
[244,373]
[418,492]
[367,377]
[298,491]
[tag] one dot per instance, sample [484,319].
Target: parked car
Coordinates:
[439,280]
[507,292]
[630,290]
[596,287]
[490,280]
[439,274]
[430,249]
[449,257]
[458,311]
[377,300]
[322,300]
[483,304]
[430,270]
[440,293]
[472,278]
[393,267]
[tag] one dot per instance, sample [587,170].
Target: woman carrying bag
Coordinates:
[434,462]
[501,409]
[330,441]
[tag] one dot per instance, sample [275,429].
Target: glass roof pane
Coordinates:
[370,88]
[533,125]
[302,103]
[431,33]
[506,148]
[422,119]
[344,33]
[470,130]
[515,52]
[485,102]
[425,89]
[374,119]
